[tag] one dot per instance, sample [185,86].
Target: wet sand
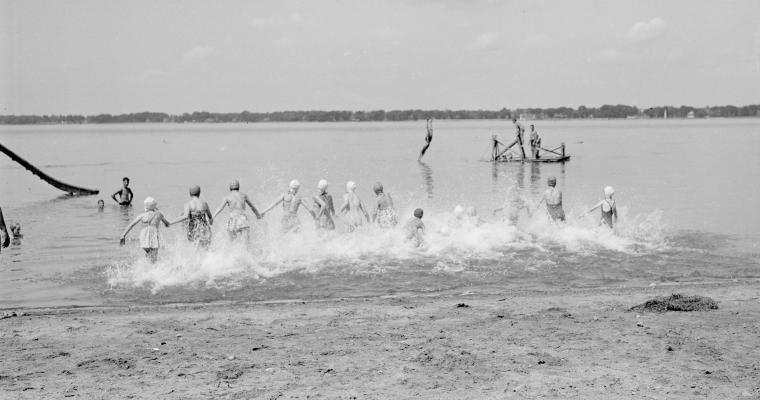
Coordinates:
[560,344]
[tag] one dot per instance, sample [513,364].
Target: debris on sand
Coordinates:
[229,373]
[677,302]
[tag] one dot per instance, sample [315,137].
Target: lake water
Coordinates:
[686,191]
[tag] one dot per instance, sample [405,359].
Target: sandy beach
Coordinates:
[560,344]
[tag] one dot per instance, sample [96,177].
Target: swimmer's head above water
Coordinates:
[418,213]
[378,188]
[458,211]
[235,185]
[195,190]
[322,185]
[150,204]
[350,186]
[552,181]
[609,191]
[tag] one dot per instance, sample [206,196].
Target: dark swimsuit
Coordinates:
[607,215]
[198,229]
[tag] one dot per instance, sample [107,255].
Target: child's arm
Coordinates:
[308,207]
[253,208]
[344,207]
[599,204]
[278,201]
[164,220]
[185,215]
[366,214]
[614,212]
[221,207]
[113,196]
[129,228]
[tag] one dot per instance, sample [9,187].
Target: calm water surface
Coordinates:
[686,190]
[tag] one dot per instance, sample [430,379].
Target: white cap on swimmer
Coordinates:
[350,186]
[294,184]
[322,184]
[150,204]
[609,191]
[458,210]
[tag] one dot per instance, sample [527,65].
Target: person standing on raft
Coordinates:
[608,208]
[125,194]
[198,217]
[352,208]
[553,198]
[326,214]
[428,138]
[383,213]
[519,130]
[290,204]
[149,237]
[237,224]
[535,142]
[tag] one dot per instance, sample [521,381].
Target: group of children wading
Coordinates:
[199,218]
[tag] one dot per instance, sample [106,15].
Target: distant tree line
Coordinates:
[605,111]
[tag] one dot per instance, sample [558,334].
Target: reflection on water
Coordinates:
[535,173]
[427,177]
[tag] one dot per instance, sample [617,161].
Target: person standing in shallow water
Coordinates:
[125,194]
[149,237]
[383,213]
[415,229]
[352,208]
[198,217]
[326,213]
[290,204]
[553,198]
[237,224]
[608,208]
[428,137]
[5,238]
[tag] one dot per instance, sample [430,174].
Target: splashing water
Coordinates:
[452,246]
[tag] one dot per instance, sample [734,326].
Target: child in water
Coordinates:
[352,208]
[326,213]
[17,235]
[608,208]
[101,205]
[553,198]
[415,229]
[149,238]
[290,204]
[198,217]
[383,213]
[237,224]
[512,205]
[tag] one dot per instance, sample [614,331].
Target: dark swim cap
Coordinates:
[195,190]
[418,213]
[552,181]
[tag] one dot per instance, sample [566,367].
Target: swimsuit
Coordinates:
[325,220]
[386,216]
[353,215]
[607,215]
[290,221]
[556,211]
[198,229]
[237,222]
[149,233]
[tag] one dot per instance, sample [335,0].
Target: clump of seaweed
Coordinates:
[677,302]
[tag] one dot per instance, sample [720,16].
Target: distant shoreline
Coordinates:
[558,113]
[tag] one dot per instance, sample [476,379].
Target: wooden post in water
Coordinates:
[563,150]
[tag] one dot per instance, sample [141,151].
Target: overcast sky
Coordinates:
[87,57]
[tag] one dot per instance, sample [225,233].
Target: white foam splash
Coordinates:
[450,245]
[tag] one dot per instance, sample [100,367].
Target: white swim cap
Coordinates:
[294,184]
[458,210]
[150,204]
[322,184]
[350,186]
[609,191]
